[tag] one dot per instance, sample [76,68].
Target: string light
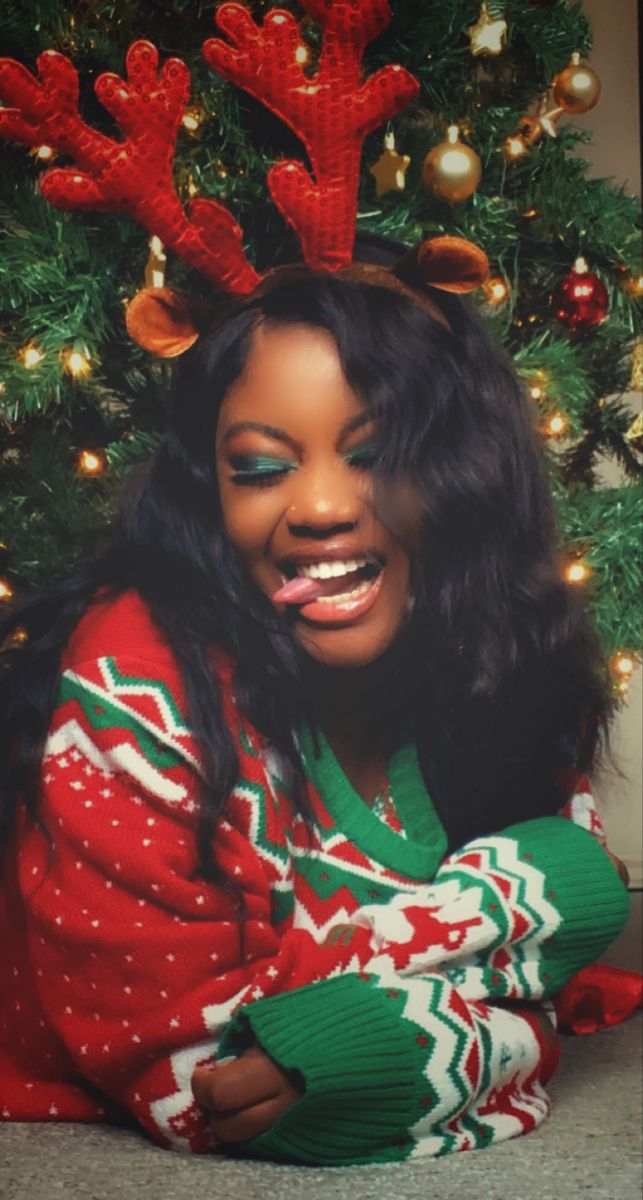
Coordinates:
[576,572]
[76,362]
[634,285]
[156,263]
[301,55]
[91,462]
[514,147]
[496,290]
[530,213]
[624,665]
[557,424]
[6,591]
[30,356]
[45,153]
[192,119]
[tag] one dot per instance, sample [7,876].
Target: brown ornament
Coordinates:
[577,88]
[452,170]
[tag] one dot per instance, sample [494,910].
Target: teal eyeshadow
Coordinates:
[253,465]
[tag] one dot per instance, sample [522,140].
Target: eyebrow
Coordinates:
[280,434]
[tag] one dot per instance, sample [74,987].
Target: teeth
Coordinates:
[326,570]
[363,587]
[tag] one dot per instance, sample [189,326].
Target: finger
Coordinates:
[250,1122]
[244,1082]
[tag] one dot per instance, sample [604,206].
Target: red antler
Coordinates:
[135,175]
[331,112]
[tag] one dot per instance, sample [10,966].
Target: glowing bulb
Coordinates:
[530,212]
[301,55]
[557,424]
[625,665]
[192,118]
[91,463]
[76,363]
[496,290]
[45,153]
[6,591]
[514,147]
[30,356]
[576,572]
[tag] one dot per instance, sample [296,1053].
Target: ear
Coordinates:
[452,264]
[160,321]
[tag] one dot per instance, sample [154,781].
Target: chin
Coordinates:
[344,648]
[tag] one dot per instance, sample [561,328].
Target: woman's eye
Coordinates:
[363,456]
[256,471]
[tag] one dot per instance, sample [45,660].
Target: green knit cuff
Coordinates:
[363,1064]
[584,887]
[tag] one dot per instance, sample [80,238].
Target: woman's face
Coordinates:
[294,453]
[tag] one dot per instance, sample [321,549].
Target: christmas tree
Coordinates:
[487,151]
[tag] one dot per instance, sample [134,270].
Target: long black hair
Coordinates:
[497,675]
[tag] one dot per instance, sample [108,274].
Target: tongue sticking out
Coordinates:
[298,591]
[302,588]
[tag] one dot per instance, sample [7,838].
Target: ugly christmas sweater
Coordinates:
[409,990]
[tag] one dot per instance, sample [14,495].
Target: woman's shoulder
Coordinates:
[122,627]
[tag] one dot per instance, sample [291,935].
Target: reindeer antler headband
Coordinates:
[331,112]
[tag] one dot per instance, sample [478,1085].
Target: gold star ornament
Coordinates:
[487,36]
[390,169]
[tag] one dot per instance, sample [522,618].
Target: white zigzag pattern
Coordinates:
[422,1008]
[512,1037]
[525,951]
[167,729]
[119,758]
[508,1031]
[255,805]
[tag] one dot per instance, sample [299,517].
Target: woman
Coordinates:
[297,754]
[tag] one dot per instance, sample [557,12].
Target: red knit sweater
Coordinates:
[418,1032]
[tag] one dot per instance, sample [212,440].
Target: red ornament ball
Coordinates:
[580,299]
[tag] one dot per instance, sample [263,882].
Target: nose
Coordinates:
[328,497]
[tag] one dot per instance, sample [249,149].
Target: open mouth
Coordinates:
[337,582]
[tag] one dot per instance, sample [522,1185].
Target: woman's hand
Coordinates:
[245,1095]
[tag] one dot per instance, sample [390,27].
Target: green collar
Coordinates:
[420,853]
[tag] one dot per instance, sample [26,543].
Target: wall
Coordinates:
[614,152]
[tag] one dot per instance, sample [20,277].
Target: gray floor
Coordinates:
[590,1146]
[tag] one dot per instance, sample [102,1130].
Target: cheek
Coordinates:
[249,517]
[399,507]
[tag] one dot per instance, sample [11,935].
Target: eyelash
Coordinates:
[246,477]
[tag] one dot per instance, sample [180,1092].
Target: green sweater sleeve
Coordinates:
[407,1056]
[510,915]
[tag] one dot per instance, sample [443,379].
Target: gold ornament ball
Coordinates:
[452,170]
[577,88]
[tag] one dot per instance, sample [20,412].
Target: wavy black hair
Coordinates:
[497,675]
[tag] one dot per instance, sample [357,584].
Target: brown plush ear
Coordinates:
[160,321]
[452,264]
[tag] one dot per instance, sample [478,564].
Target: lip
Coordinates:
[318,612]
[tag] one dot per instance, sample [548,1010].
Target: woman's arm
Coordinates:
[138,962]
[407,1056]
